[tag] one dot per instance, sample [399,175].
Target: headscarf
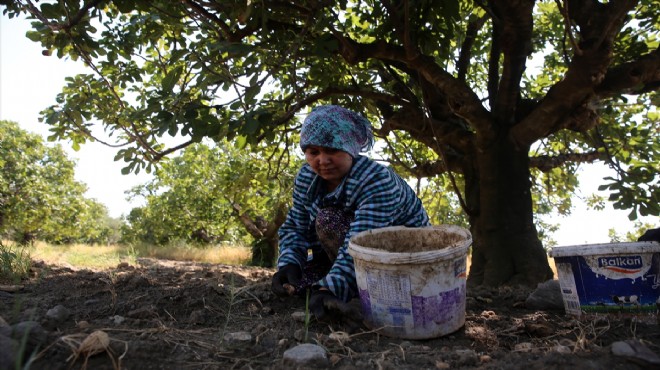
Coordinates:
[332,126]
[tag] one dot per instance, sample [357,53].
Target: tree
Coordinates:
[217,192]
[458,79]
[39,197]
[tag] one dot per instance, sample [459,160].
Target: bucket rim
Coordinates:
[377,255]
[605,249]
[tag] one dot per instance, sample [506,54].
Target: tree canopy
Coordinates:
[504,99]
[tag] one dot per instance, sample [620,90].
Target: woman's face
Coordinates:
[331,164]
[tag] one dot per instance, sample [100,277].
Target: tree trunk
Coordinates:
[506,248]
[263,252]
[266,242]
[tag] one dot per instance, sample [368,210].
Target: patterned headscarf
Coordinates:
[332,126]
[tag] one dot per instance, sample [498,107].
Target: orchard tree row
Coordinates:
[40,198]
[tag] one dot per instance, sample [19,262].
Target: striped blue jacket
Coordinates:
[377,195]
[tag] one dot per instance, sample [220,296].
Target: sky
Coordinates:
[30,82]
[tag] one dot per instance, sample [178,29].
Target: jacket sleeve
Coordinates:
[294,235]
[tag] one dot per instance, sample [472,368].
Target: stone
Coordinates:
[36,334]
[441,365]
[547,296]
[523,347]
[466,357]
[58,314]
[8,349]
[305,355]
[237,339]
[637,351]
[562,349]
[197,317]
[298,316]
[5,328]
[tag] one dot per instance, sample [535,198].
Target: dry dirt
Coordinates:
[179,315]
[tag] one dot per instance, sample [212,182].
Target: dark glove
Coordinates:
[289,274]
[328,308]
[652,235]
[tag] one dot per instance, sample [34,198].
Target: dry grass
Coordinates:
[15,262]
[220,254]
[103,257]
[79,255]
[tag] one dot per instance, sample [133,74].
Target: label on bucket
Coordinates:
[389,288]
[568,289]
[617,267]
[390,295]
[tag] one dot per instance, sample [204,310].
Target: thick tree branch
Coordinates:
[433,133]
[516,25]
[599,23]
[471,33]
[461,99]
[547,163]
[249,224]
[636,77]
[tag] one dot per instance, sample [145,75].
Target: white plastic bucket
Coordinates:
[619,278]
[412,280]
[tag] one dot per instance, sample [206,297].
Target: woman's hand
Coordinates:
[285,280]
[328,308]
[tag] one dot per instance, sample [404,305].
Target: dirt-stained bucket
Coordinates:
[412,280]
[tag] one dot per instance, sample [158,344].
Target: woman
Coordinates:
[337,194]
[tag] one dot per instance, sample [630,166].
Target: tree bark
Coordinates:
[506,248]
[262,252]
[265,247]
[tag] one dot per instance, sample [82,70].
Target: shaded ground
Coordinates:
[176,315]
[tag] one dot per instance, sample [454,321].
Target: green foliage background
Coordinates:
[39,196]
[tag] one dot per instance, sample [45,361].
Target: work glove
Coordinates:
[651,235]
[285,280]
[328,308]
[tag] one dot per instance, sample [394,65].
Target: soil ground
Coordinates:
[178,315]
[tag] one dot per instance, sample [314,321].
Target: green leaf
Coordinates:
[251,125]
[171,79]
[241,142]
[33,35]
[124,6]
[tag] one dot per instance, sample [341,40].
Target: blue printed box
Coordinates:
[607,278]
